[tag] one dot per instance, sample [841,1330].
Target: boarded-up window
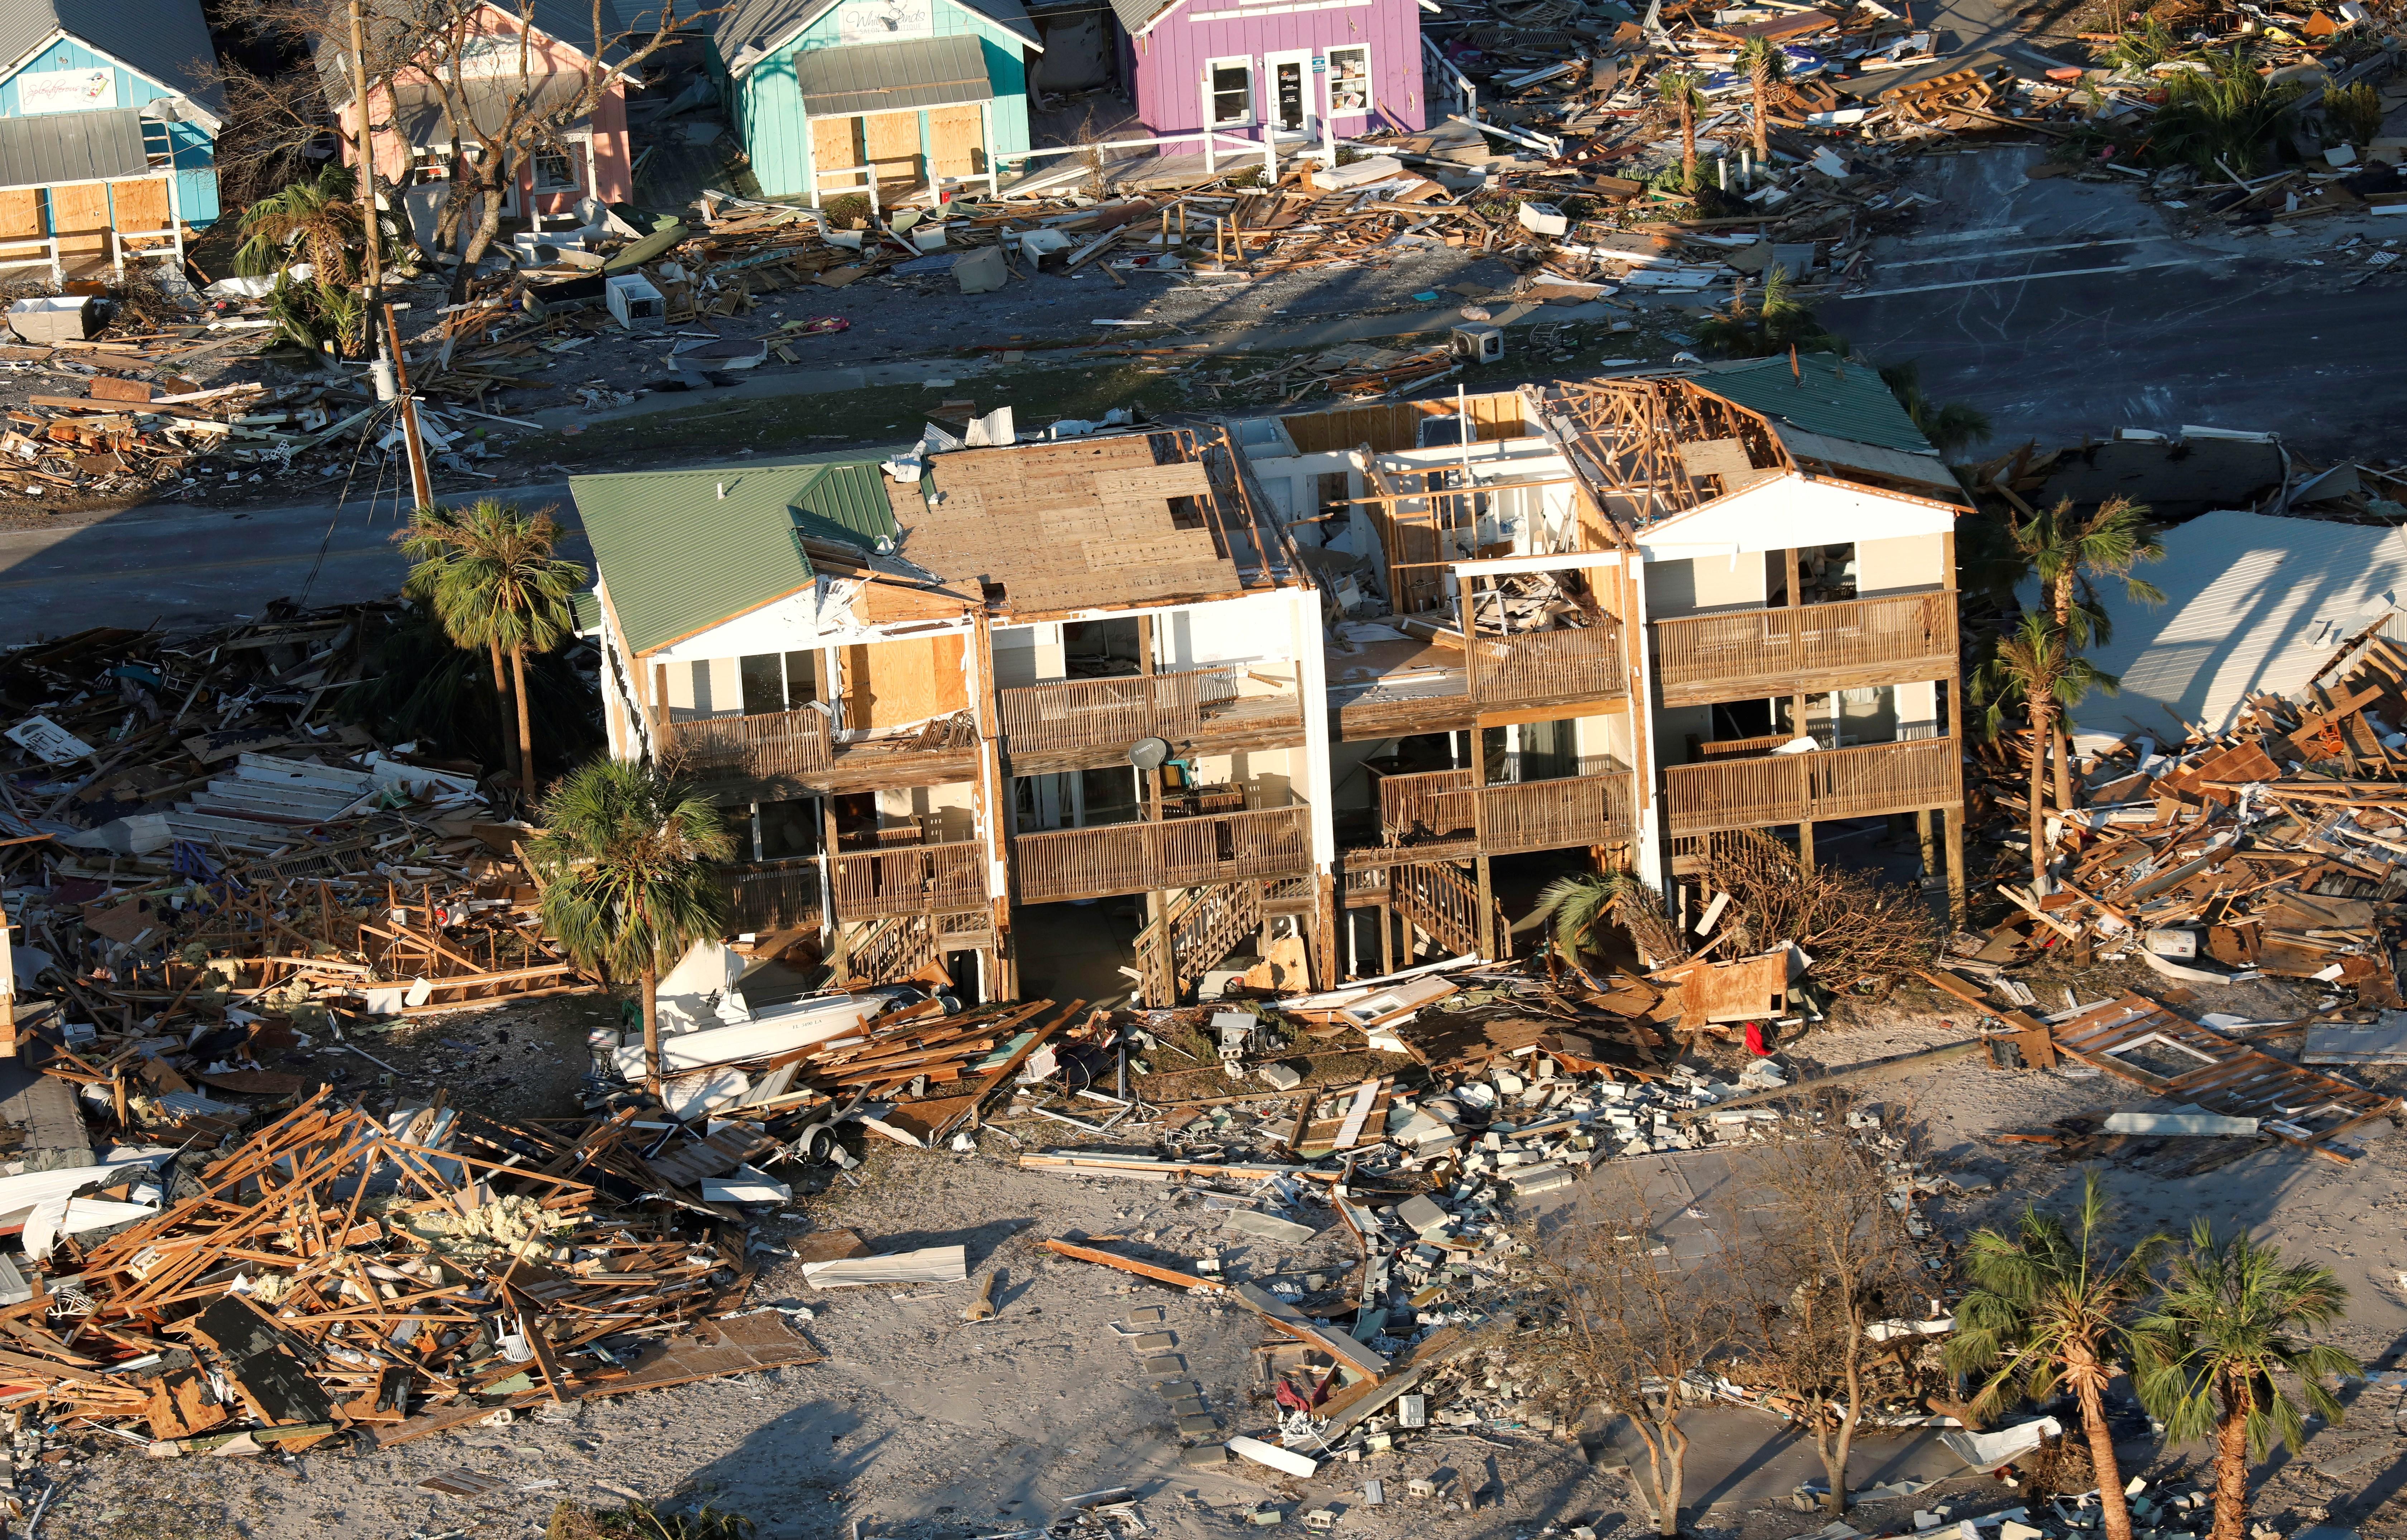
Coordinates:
[957,140]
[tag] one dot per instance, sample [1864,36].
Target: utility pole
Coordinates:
[385,339]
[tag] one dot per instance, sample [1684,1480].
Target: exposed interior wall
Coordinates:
[953,804]
[1906,562]
[1350,786]
[1267,775]
[1917,709]
[1675,725]
[1230,631]
[1594,736]
[1703,585]
[1029,654]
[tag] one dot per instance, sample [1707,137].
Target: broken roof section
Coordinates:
[1136,518]
[1102,523]
[681,551]
[1656,446]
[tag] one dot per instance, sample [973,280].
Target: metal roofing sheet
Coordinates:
[749,30]
[71,147]
[1849,454]
[2253,603]
[679,552]
[1824,394]
[892,77]
[168,40]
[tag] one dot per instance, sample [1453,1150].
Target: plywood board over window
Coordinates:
[21,214]
[140,204]
[957,140]
[80,218]
[835,145]
[893,141]
[888,684]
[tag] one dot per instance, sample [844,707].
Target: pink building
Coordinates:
[415,136]
[1282,66]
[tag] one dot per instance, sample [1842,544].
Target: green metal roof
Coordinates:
[682,550]
[1826,394]
[586,606]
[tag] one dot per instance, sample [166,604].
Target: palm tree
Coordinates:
[1765,66]
[1678,87]
[2066,551]
[1576,910]
[2034,666]
[1777,324]
[1950,429]
[2049,1309]
[320,218]
[491,576]
[2223,1328]
[625,888]
[2227,116]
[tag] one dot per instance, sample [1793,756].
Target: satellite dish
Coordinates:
[1149,753]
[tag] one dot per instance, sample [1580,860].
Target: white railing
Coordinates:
[819,179]
[11,256]
[1448,74]
[1211,138]
[118,249]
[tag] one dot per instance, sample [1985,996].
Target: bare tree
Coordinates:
[509,99]
[1631,1325]
[1830,1258]
[487,65]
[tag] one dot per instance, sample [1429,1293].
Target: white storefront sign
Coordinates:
[66,91]
[884,20]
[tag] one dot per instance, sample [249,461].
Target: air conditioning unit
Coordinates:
[1479,343]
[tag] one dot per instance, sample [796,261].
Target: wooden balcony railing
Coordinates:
[909,879]
[1592,807]
[1134,858]
[1832,783]
[773,895]
[1533,665]
[1111,714]
[1786,651]
[770,747]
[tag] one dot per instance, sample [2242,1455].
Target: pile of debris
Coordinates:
[392,1277]
[2270,850]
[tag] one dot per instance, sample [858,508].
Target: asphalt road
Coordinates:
[2062,309]
[190,566]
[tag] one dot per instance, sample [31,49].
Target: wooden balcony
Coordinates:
[1755,653]
[776,746]
[1072,723]
[771,896]
[1388,690]
[797,751]
[1835,783]
[1187,853]
[1592,807]
[910,879]
[1527,668]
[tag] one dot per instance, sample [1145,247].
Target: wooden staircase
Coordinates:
[892,949]
[1203,925]
[1440,901]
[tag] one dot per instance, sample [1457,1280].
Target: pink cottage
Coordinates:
[1290,66]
